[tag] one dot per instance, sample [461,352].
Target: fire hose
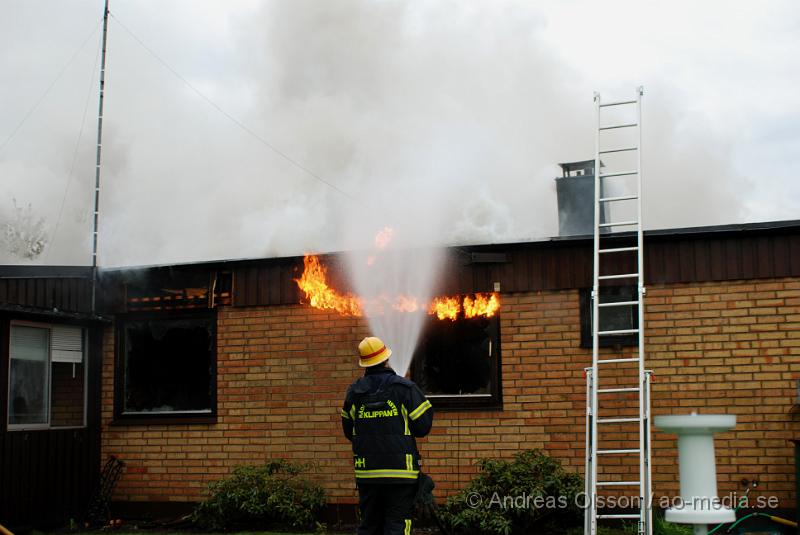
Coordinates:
[776,519]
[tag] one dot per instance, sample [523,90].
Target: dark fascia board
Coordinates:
[51,313]
[771,227]
[715,231]
[219,264]
[22,271]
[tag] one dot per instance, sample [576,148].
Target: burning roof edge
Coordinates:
[754,228]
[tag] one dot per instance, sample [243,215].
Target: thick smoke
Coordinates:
[47,79]
[443,120]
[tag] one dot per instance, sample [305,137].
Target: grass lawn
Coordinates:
[189,532]
[660,528]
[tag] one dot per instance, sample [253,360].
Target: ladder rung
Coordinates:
[619,198]
[619,516]
[619,224]
[617,452]
[621,149]
[618,331]
[617,483]
[618,304]
[620,276]
[613,126]
[621,173]
[612,361]
[617,420]
[611,390]
[617,103]
[618,250]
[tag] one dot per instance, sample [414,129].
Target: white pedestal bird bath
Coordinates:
[700,505]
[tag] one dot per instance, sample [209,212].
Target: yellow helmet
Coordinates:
[373,351]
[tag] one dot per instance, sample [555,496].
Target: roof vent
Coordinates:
[575,192]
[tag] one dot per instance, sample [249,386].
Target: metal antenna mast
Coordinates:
[97,159]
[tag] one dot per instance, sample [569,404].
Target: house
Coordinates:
[211,365]
[50,363]
[189,370]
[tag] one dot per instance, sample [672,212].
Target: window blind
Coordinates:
[66,344]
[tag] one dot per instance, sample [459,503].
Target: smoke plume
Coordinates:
[443,120]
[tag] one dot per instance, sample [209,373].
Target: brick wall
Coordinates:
[282,371]
[730,348]
[66,403]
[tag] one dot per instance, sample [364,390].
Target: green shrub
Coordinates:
[530,490]
[274,494]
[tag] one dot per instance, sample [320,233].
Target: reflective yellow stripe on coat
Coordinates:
[419,411]
[400,474]
[404,411]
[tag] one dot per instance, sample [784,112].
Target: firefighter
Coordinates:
[382,414]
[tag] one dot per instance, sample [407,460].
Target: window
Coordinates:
[457,363]
[47,376]
[611,318]
[166,367]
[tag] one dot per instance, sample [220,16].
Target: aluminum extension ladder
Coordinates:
[615,421]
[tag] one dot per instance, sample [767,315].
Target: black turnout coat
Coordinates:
[381,416]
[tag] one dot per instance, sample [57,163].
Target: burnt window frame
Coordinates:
[622,340]
[455,402]
[122,418]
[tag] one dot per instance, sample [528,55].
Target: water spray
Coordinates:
[394,293]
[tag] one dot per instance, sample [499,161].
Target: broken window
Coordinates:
[457,362]
[166,365]
[47,376]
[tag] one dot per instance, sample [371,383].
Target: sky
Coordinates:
[251,128]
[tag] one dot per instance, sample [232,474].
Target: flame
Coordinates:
[445,308]
[314,284]
[450,307]
[383,237]
[483,305]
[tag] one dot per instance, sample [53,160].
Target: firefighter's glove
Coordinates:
[424,498]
